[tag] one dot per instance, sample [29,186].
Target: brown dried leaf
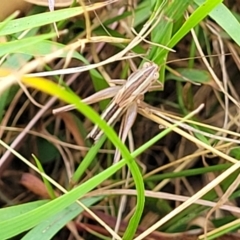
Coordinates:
[34,184]
[71,125]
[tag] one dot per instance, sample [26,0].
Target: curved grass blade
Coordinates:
[58,91]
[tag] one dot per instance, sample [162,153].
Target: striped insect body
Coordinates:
[137,84]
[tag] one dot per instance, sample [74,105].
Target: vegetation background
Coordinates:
[178,174]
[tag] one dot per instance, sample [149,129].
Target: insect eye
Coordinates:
[156,75]
[146,65]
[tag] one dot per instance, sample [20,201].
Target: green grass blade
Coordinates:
[229,23]
[34,217]
[14,211]
[42,19]
[17,45]
[50,227]
[67,96]
[87,161]
[44,48]
[47,184]
[195,18]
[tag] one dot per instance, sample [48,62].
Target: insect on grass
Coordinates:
[137,84]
